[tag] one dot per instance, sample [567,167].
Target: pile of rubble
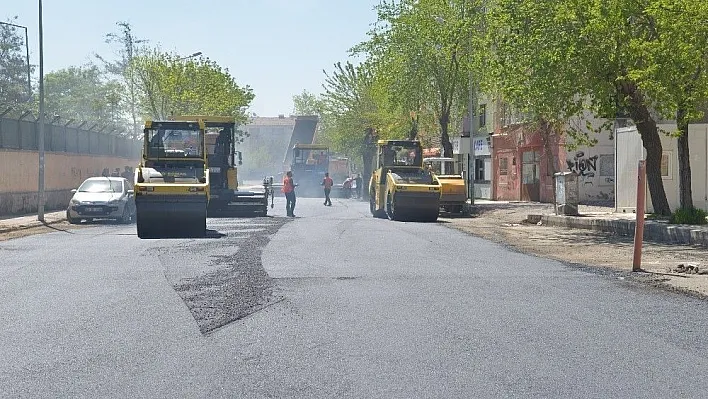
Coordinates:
[689,268]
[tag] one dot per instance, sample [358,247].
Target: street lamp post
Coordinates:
[473,131]
[40,136]
[29,68]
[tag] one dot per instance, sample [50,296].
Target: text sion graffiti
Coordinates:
[582,166]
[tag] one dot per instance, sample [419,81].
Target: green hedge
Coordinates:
[689,216]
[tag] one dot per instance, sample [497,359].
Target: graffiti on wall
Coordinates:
[583,166]
[595,175]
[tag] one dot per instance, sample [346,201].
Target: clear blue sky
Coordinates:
[278,47]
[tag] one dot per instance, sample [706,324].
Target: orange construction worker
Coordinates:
[327,183]
[289,191]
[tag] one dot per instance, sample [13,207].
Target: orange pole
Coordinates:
[639,227]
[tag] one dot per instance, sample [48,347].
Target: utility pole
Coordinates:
[473,119]
[40,136]
[473,131]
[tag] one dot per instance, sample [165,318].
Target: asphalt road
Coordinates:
[333,303]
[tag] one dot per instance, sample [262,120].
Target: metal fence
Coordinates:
[20,133]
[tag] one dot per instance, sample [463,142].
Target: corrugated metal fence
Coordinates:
[21,134]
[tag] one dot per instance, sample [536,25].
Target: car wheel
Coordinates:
[72,220]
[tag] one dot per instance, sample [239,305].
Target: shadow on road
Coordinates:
[176,234]
[55,228]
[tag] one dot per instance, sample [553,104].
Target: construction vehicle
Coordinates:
[172,180]
[309,164]
[226,198]
[401,188]
[453,195]
[340,169]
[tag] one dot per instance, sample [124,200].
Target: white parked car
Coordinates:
[102,198]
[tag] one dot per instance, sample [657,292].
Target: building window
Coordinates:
[503,166]
[666,165]
[479,169]
[531,157]
[483,115]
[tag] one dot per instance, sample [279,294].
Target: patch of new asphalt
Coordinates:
[222,280]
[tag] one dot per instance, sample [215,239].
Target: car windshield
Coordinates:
[101,186]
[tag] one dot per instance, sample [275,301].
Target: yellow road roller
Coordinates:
[172,180]
[401,188]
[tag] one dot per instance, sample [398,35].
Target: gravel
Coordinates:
[233,283]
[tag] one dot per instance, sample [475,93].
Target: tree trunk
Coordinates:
[413,133]
[684,161]
[368,151]
[366,175]
[445,137]
[646,126]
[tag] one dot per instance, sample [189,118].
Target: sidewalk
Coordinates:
[600,239]
[30,221]
[624,224]
[604,219]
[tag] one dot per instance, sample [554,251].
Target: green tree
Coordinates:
[14,88]
[350,109]
[562,57]
[422,52]
[128,47]
[530,65]
[80,93]
[168,85]
[307,103]
[674,75]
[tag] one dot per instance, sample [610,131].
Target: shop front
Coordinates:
[524,172]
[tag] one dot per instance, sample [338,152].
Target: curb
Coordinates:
[653,231]
[29,226]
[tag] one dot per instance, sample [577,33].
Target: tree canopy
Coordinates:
[421,52]
[170,85]
[555,59]
[307,103]
[15,90]
[81,93]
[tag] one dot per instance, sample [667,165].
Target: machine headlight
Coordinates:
[74,202]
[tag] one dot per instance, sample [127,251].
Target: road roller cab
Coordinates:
[172,180]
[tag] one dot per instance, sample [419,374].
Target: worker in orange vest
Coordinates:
[327,183]
[289,191]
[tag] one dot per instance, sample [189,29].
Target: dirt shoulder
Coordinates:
[505,223]
[49,228]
